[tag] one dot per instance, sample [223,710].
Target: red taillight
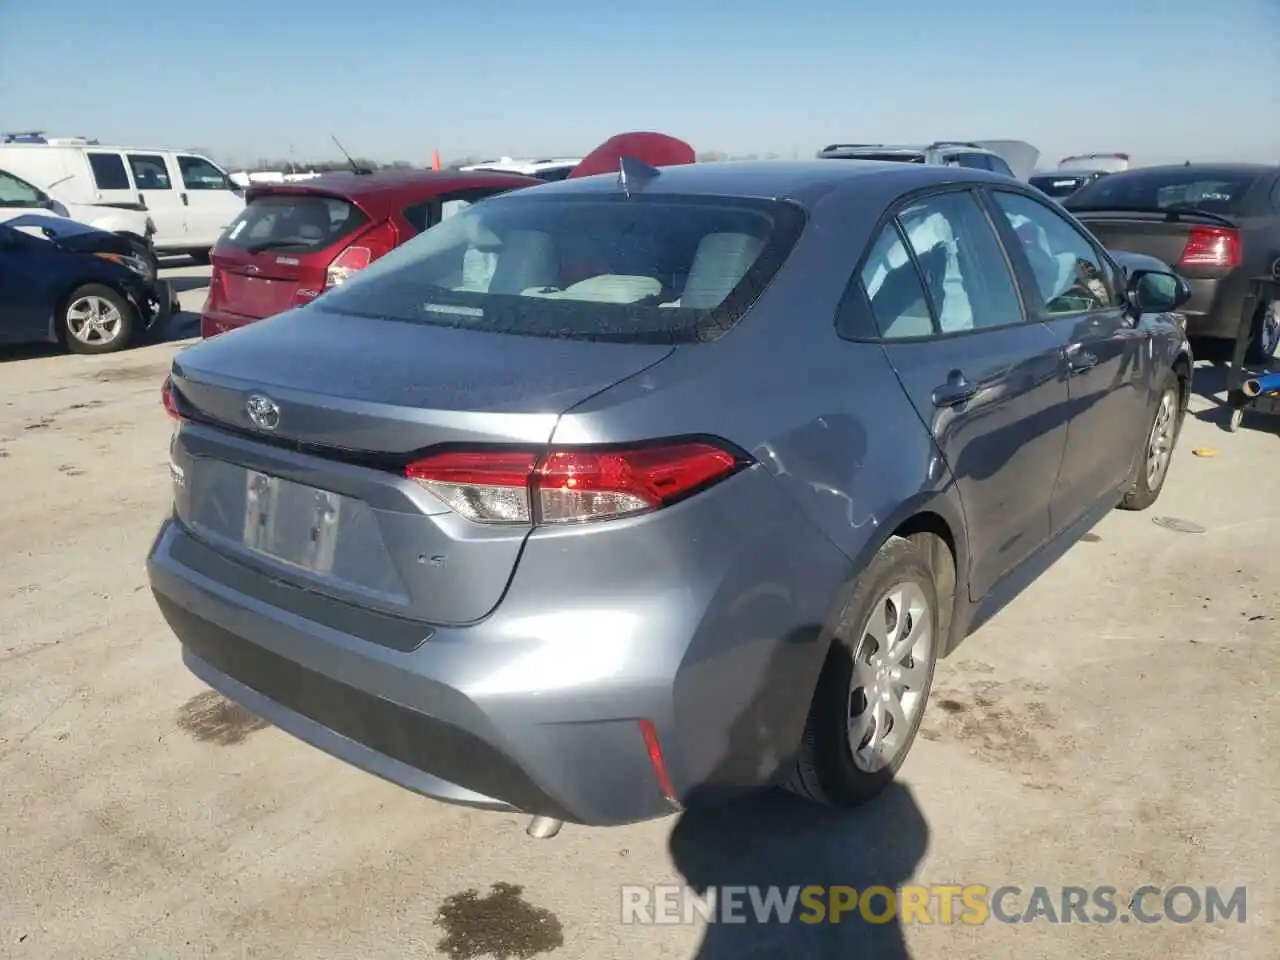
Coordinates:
[367,248]
[654,748]
[569,486]
[169,400]
[1212,247]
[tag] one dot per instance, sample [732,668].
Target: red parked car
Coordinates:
[295,240]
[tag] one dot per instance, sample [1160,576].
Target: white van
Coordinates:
[189,198]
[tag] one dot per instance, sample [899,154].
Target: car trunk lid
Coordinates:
[1199,243]
[319,497]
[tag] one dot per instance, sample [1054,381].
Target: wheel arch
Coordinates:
[936,520]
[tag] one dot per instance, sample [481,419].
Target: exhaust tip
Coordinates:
[544,828]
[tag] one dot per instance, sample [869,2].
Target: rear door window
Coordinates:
[149,172]
[646,269]
[962,262]
[298,223]
[108,171]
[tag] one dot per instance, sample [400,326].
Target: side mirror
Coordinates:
[1156,291]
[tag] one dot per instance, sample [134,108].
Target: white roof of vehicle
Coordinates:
[524,165]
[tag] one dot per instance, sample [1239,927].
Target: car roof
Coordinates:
[804,181]
[392,186]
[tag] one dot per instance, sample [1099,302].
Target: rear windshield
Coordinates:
[629,269]
[1215,191]
[1057,187]
[298,223]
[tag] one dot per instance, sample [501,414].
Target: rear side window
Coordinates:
[1189,188]
[974,161]
[898,301]
[297,223]
[638,269]
[997,165]
[149,172]
[108,171]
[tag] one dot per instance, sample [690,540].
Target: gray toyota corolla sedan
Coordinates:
[619,494]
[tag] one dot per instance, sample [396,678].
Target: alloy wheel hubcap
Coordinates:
[890,673]
[1160,445]
[94,320]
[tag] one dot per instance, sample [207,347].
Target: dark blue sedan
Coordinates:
[68,283]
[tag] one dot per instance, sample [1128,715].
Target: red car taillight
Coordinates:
[367,248]
[1213,247]
[169,400]
[569,486]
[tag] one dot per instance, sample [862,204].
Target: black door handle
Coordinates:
[184,199]
[957,390]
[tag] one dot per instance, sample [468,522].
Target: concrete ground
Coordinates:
[1115,726]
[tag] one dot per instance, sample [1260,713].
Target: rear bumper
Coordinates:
[214,322]
[1217,305]
[537,708]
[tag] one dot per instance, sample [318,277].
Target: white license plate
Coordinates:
[291,522]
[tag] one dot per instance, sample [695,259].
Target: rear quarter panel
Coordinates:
[836,437]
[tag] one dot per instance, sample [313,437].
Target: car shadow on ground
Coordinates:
[181,326]
[775,841]
[185,284]
[1210,384]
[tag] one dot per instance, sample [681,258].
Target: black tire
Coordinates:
[200,257]
[1144,490]
[125,332]
[825,771]
[1261,352]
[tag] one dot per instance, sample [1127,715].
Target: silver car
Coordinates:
[620,494]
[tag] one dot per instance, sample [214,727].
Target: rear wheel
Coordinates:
[1265,341]
[96,319]
[1153,464]
[875,682]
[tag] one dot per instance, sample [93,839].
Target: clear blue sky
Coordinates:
[395,79]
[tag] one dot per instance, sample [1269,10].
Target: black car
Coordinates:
[64,282]
[1218,224]
[1060,184]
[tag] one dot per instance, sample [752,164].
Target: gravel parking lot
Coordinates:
[1115,726]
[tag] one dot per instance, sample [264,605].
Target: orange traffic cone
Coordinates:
[435,159]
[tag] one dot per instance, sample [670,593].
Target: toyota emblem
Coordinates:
[263,412]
